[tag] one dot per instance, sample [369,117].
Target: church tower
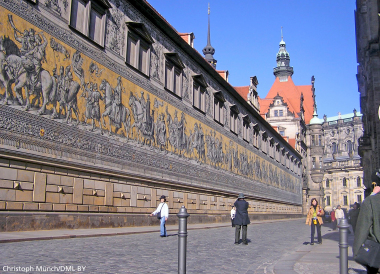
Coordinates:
[283,69]
[208,50]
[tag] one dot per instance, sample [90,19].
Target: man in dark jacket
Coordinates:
[368,224]
[241,219]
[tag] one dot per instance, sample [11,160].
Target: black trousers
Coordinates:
[371,270]
[313,231]
[244,233]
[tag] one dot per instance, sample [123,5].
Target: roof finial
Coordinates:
[209,8]
[208,50]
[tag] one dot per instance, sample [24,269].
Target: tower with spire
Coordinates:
[283,69]
[208,50]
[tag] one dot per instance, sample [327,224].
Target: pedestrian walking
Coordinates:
[314,219]
[339,214]
[233,212]
[333,218]
[368,225]
[241,219]
[162,213]
[354,214]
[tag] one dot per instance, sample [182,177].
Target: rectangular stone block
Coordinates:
[8,173]
[100,193]
[7,194]
[45,207]
[133,199]
[4,162]
[112,209]
[17,164]
[6,184]
[2,205]
[33,167]
[67,189]
[88,200]
[52,197]
[103,209]
[30,206]
[25,176]
[87,191]
[108,194]
[78,191]
[93,208]
[71,207]
[67,181]
[83,208]
[26,185]
[121,209]
[51,188]
[100,185]
[98,201]
[88,183]
[65,198]
[153,195]
[53,179]
[14,205]
[39,188]
[59,207]
[24,196]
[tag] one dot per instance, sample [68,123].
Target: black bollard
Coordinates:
[182,239]
[343,245]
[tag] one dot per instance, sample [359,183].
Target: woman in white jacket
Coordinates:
[163,211]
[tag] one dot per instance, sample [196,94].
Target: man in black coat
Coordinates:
[241,219]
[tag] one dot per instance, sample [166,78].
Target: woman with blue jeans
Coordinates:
[163,211]
[314,219]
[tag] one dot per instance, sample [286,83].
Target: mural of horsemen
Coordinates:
[65,85]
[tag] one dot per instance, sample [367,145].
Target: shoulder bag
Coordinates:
[369,253]
[159,213]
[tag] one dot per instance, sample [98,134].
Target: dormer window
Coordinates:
[246,128]
[89,18]
[199,92]
[173,73]
[280,113]
[138,47]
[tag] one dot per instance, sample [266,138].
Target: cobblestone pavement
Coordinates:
[208,251]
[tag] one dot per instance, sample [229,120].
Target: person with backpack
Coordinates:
[162,213]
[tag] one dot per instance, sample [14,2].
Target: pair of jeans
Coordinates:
[244,233]
[162,227]
[313,231]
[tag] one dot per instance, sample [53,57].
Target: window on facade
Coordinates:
[327,183]
[89,18]
[359,198]
[280,113]
[255,140]
[313,162]
[138,47]
[345,200]
[234,118]
[199,93]
[312,140]
[334,148]
[219,110]
[358,182]
[319,140]
[344,182]
[173,73]
[320,162]
[349,147]
[282,132]
[276,113]
[246,129]
[328,201]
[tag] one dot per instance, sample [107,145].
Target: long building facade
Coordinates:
[106,107]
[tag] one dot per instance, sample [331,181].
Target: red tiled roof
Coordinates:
[243,91]
[291,95]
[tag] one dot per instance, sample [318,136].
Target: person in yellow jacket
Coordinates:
[314,219]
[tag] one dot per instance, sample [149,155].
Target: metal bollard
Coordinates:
[182,239]
[343,245]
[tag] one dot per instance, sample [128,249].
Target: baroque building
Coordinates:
[105,107]
[368,58]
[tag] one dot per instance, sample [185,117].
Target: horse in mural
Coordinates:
[117,117]
[13,71]
[143,121]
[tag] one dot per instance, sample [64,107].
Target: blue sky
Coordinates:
[319,36]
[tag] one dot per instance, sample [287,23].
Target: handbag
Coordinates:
[159,213]
[369,254]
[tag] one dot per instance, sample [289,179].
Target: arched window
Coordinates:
[333,148]
[344,182]
[358,182]
[327,183]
